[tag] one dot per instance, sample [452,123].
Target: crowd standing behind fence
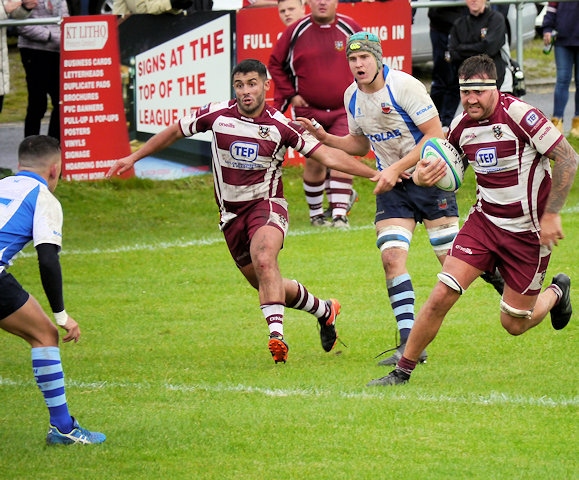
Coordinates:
[560,27]
[10,9]
[40,53]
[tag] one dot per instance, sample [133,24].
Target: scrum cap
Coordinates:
[365,42]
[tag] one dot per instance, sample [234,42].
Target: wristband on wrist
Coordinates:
[61,318]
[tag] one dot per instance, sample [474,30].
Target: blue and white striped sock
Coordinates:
[49,377]
[402,296]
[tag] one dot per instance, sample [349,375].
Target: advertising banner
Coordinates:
[93,124]
[183,63]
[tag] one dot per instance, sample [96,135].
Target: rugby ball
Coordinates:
[435,148]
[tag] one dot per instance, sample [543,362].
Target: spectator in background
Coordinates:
[152,7]
[40,53]
[443,89]
[310,74]
[482,30]
[290,11]
[10,9]
[563,18]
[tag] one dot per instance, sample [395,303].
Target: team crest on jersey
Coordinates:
[339,45]
[497,131]
[483,33]
[263,131]
[442,204]
[386,108]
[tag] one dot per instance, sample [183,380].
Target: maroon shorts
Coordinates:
[240,230]
[519,257]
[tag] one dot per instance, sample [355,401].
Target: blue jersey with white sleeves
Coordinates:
[29,212]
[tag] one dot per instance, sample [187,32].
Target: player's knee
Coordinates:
[393,237]
[513,319]
[513,326]
[451,282]
[45,336]
[442,236]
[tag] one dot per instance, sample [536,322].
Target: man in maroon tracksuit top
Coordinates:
[308,68]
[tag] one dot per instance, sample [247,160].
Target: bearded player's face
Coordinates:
[250,91]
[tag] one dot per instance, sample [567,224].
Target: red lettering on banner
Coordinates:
[159,116]
[177,56]
[152,65]
[146,92]
[206,46]
[192,85]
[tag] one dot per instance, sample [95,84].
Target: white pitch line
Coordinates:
[210,241]
[400,393]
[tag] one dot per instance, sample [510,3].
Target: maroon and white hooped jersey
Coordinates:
[247,153]
[506,152]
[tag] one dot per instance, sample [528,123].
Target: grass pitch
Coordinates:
[173,364]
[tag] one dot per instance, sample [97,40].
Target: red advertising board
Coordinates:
[93,124]
[259,28]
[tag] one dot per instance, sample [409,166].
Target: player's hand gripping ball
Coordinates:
[435,148]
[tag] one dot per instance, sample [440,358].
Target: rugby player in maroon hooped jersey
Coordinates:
[308,69]
[515,222]
[250,139]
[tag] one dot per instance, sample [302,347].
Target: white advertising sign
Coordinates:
[181,75]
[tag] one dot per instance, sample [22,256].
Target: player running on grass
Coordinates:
[391,112]
[515,221]
[29,212]
[250,139]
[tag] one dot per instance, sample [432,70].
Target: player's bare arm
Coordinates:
[358,145]
[155,144]
[339,160]
[564,169]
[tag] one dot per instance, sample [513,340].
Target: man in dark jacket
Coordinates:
[483,30]
[443,89]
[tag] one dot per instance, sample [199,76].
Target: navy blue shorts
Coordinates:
[12,295]
[408,200]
